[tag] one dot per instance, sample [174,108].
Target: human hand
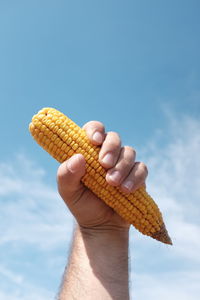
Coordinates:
[122,170]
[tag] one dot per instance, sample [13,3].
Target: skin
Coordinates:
[98,264]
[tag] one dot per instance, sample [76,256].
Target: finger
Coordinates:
[69,175]
[95,131]
[121,170]
[110,150]
[136,178]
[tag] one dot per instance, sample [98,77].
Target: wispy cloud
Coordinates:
[176,285]
[174,181]
[35,226]
[10,275]
[34,208]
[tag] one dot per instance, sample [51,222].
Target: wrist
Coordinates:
[102,232]
[109,244]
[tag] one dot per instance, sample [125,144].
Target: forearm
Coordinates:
[98,266]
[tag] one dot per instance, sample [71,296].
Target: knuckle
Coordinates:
[130,151]
[114,134]
[86,125]
[93,125]
[144,168]
[126,164]
[113,139]
[100,125]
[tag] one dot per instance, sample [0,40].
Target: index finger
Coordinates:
[95,131]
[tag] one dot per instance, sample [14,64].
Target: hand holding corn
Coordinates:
[107,171]
[88,209]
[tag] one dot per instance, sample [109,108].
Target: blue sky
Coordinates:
[134,65]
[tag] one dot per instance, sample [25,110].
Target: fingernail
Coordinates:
[108,159]
[128,185]
[97,137]
[115,176]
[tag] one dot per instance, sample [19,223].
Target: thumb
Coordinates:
[68,177]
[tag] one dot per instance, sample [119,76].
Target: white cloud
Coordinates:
[35,209]
[173,286]
[26,293]
[15,286]
[34,223]
[174,179]
[10,275]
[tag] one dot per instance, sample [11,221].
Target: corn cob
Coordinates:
[62,138]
